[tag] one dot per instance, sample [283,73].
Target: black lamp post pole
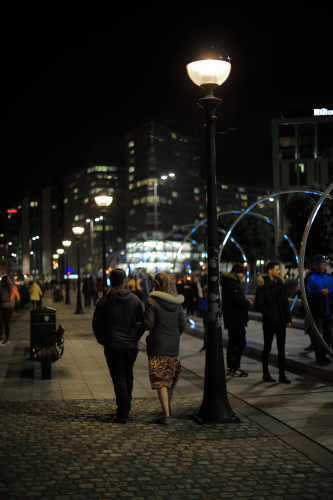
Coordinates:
[67,301]
[105,287]
[215,405]
[79,309]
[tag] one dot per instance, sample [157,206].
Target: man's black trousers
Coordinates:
[236,346]
[280,341]
[120,362]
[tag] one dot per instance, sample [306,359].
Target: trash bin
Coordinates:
[42,322]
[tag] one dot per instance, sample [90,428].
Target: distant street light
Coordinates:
[104,200]
[67,244]
[209,72]
[78,230]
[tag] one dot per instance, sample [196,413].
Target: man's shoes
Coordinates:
[267,378]
[163,420]
[4,343]
[239,373]
[121,419]
[203,349]
[284,379]
[323,361]
[309,348]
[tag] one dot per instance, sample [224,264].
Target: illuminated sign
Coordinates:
[11,211]
[322,112]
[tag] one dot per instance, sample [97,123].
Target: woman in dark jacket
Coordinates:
[114,326]
[164,318]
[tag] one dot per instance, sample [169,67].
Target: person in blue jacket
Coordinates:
[319,292]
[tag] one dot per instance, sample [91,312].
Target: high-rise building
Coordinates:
[165,186]
[52,207]
[302,148]
[32,234]
[302,145]
[80,188]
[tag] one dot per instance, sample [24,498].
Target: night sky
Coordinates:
[78,77]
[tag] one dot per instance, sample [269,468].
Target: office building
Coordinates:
[302,144]
[80,188]
[165,185]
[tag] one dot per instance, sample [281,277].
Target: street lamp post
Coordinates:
[78,230]
[209,72]
[104,200]
[67,244]
[60,252]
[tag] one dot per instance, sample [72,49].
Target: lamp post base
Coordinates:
[202,421]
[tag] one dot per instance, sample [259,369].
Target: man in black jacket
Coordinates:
[235,316]
[114,326]
[272,301]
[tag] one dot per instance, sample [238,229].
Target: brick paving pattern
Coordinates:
[72,450]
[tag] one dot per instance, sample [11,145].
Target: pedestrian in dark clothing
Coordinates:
[319,292]
[93,288]
[86,289]
[184,288]
[114,326]
[235,314]
[7,292]
[164,319]
[272,301]
[146,285]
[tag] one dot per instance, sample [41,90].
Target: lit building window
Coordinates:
[244,203]
[243,197]
[174,194]
[131,169]
[65,201]
[131,178]
[224,186]
[201,215]
[54,207]
[241,190]
[130,186]
[34,203]
[173,135]
[136,202]
[75,190]
[197,190]
[86,200]
[197,198]
[218,209]
[130,144]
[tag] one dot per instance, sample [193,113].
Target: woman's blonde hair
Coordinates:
[164,283]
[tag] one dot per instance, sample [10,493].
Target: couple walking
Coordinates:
[119,323]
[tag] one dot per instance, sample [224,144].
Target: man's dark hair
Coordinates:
[271,265]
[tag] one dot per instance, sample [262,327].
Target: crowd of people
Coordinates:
[159,306]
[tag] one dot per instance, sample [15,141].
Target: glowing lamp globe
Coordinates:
[60,251]
[211,69]
[103,199]
[66,243]
[78,230]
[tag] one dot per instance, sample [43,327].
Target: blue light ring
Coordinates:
[301,267]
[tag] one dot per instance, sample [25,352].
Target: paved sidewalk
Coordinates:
[58,439]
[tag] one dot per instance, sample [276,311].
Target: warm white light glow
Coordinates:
[103,199]
[66,243]
[78,230]
[209,71]
[171,175]
[55,256]
[164,177]
[60,251]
